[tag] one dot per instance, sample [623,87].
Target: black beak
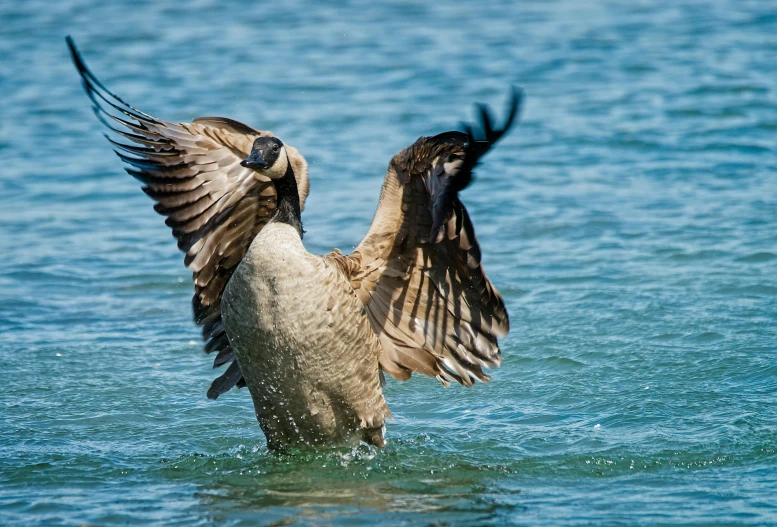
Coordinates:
[254,161]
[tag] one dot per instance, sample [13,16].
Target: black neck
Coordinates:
[288,210]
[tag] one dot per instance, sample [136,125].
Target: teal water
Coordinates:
[630,222]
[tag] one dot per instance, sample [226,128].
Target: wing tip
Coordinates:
[71,46]
[514,105]
[232,377]
[78,60]
[488,135]
[93,86]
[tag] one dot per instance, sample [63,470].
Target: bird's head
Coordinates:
[268,157]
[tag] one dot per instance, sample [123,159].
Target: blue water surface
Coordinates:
[630,222]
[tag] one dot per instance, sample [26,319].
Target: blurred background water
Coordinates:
[630,222]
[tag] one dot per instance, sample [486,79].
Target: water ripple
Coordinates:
[630,223]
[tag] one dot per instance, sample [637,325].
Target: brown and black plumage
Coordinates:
[214,206]
[309,335]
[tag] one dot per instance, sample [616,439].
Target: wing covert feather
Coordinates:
[418,270]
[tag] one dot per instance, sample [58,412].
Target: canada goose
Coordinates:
[311,335]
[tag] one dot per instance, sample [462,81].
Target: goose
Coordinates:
[311,336]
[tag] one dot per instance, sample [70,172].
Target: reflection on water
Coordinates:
[361,483]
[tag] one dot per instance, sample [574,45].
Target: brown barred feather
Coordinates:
[214,206]
[419,276]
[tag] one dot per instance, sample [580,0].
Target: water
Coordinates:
[630,222]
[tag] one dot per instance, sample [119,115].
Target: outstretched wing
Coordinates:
[418,269]
[214,206]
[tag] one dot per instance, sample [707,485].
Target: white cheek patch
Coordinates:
[278,170]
